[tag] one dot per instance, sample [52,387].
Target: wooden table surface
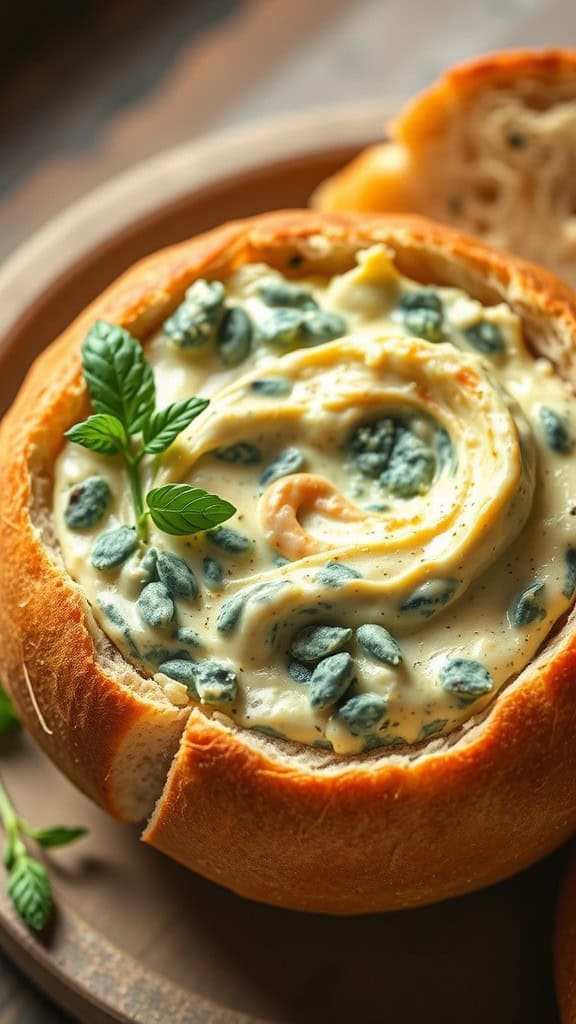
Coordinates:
[147,75]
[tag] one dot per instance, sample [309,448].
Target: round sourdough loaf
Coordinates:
[490,149]
[271,819]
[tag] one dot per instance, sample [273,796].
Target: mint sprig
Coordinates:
[120,381]
[101,433]
[57,835]
[180,510]
[126,423]
[164,426]
[29,885]
[30,890]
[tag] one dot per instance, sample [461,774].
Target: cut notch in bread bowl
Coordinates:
[272,819]
[489,149]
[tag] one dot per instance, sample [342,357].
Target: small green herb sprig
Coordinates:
[9,721]
[29,885]
[126,423]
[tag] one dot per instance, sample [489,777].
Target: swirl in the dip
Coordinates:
[402,470]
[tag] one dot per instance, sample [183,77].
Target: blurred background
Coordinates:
[89,88]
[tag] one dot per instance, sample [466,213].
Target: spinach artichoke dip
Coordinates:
[405,528]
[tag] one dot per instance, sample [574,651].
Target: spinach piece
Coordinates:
[277,387]
[155,605]
[215,682]
[213,573]
[243,453]
[183,671]
[289,461]
[234,337]
[193,324]
[485,337]
[429,596]
[363,713]
[229,540]
[323,326]
[570,577]
[336,574]
[422,314]
[526,607]
[188,636]
[411,466]
[87,503]
[555,431]
[298,672]
[286,294]
[113,547]
[466,679]
[316,642]
[330,680]
[379,644]
[176,575]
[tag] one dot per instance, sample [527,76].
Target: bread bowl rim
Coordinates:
[139,301]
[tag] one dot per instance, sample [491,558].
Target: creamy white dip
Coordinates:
[426,468]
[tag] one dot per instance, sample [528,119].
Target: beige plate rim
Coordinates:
[168,176]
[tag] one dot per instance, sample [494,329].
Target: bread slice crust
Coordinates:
[270,819]
[434,163]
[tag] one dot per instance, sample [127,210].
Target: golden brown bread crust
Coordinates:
[271,820]
[378,180]
[426,115]
[82,718]
[440,130]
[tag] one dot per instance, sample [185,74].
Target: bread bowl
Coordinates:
[409,808]
[489,148]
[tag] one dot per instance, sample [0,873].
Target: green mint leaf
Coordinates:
[179,509]
[57,835]
[119,379]
[101,433]
[164,426]
[8,717]
[30,891]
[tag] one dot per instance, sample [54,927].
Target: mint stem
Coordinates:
[7,812]
[132,462]
[11,825]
